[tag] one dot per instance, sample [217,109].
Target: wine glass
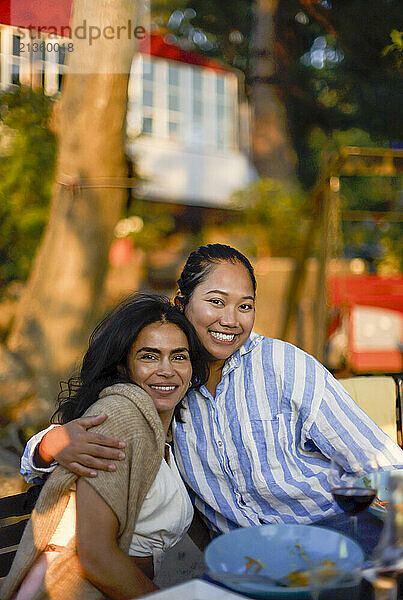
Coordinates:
[354,485]
[388,554]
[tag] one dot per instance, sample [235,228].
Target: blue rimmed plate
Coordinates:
[280,550]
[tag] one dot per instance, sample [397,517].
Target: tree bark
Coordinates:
[61,300]
[272,150]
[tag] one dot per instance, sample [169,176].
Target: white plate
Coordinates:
[196,589]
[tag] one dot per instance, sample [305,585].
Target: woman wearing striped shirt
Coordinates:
[257,439]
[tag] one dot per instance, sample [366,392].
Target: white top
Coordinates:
[165,515]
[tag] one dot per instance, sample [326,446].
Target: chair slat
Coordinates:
[14,516]
[399,408]
[19,504]
[14,505]
[6,562]
[11,534]
[378,397]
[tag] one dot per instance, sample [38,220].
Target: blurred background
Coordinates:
[270,125]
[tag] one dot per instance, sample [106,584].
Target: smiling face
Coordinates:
[160,364]
[222,309]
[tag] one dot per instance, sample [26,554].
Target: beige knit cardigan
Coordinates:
[133,418]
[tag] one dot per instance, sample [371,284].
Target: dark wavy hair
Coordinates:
[199,265]
[106,361]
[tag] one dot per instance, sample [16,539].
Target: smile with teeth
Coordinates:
[222,337]
[163,388]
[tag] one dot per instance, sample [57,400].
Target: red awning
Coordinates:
[366,290]
[157,46]
[51,16]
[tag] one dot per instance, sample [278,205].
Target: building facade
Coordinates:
[32,59]
[187,123]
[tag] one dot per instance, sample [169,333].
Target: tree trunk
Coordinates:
[61,300]
[273,153]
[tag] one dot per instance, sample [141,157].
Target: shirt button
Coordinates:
[219,443]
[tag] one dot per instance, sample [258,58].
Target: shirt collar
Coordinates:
[235,359]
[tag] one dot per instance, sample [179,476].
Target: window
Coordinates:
[143,95]
[148,70]
[197,107]
[148,83]
[62,55]
[148,96]
[173,101]
[16,45]
[185,103]
[175,115]
[220,111]
[15,67]
[173,129]
[173,88]
[220,85]
[15,74]
[197,80]
[197,95]
[173,75]
[147,128]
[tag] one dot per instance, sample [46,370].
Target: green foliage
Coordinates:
[396,47]
[158,223]
[274,211]
[323,143]
[335,73]
[220,29]
[376,239]
[27,162]
[333,69]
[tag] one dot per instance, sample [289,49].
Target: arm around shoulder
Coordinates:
[31,467]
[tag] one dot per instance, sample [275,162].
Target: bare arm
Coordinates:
[104,564]
[79,450]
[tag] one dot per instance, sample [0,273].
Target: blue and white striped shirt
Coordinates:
[259,452]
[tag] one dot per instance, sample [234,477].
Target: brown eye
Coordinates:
[181,357]
[216,302]
[246,307]
[148,357]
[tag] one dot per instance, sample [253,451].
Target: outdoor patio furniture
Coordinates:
[381,398]
[14,514]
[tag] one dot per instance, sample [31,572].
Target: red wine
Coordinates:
[354,500]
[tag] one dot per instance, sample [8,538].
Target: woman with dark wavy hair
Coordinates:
[257,442]
[104,537]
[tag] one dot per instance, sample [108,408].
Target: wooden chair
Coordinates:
[399,410]
[14,514]
[381,398]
